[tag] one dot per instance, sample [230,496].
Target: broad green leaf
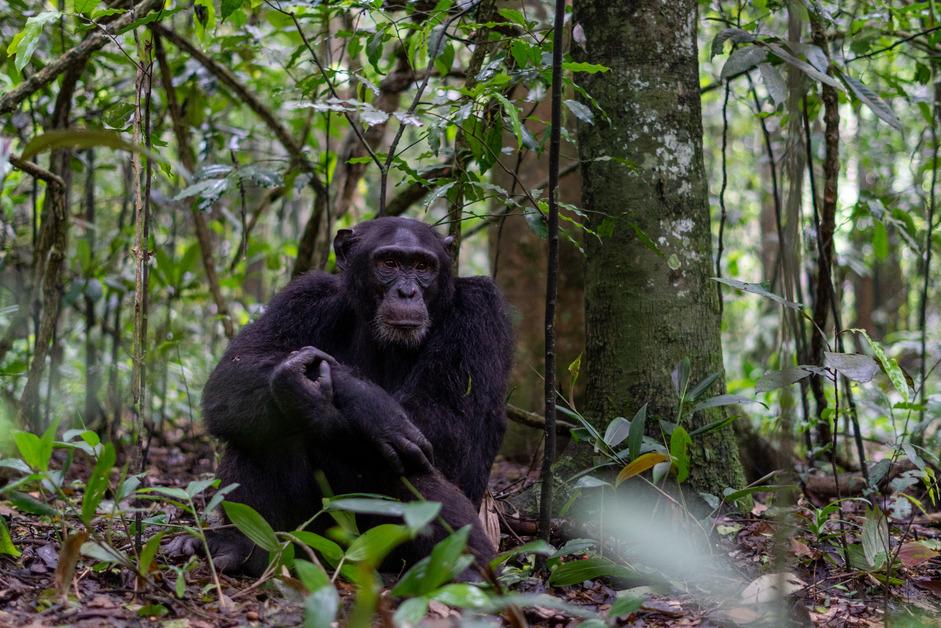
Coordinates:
[30,505]
[855,366]
[461,595]
[84,138]
[98,483]
[880,241]
[532,547]
[25,42]
[772,380]
[86,6]
[640,464]
[889,365]
[196,487]
[229,7]
[735,35]
[513,114]
[617,430]
[743,59]
[31,450]
[410,612]
[313,576]
[720,401]
[875,538]
[636,436]
[372,546]
[577,571]
[320,607]
[6,542]
[625,606]
[252,525]
[513,15]
[325,548]
[431,572]
[149,552]
[679,450]
[103,553]
[581,110]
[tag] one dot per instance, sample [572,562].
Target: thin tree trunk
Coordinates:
[92,376]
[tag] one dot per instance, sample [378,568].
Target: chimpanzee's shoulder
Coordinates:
[479,294]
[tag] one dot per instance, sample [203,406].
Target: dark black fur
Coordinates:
[452,387]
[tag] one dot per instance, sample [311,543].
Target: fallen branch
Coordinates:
[536,421]
[92,41]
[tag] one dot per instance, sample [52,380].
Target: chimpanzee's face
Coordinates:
[404,274]
[398,274]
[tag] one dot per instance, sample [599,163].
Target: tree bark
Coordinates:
[648,310]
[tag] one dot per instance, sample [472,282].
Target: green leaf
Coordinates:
[855,366]
[636,436]
[25,42]
[433,571]
[196,487]
[880,241]
[313,576]
[31,450]
[462,595]
[102,553]
[149,552]
[582,111]
[410,612]
[581,66]
[533,547]
[625,606]
[252,525]
[743,59]
[513,15]
[720,401]
[889,365]
[772,380]
[86,6]
[229,7]
[875,539]
[869,98]
[98,483]
[803,66]
[82,138]
[617,431]
[577,571]
[758,289]
[373,546]
[325,548]
[513,114]
[6,542]
[679,449]
[30,505]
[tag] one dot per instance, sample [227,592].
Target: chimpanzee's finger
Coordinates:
[390,455]
[326,357]
[325,380]
[300,359]
[416,457]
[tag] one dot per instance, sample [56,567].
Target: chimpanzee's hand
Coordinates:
[383,422]
[299,395]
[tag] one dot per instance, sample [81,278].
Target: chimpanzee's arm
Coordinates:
[238,406]
[457,395]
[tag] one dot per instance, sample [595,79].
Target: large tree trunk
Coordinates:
[647,310]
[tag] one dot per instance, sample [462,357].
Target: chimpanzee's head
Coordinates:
[397,275]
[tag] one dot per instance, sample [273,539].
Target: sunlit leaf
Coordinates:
[640,464]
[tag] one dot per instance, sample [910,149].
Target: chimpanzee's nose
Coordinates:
[407,291]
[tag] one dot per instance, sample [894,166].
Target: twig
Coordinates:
[725,180]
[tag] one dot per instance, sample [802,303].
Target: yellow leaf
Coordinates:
[640,464]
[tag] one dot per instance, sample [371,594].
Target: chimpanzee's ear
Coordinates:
[448,243]
[341,245]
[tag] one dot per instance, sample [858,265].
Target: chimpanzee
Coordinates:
[392,368]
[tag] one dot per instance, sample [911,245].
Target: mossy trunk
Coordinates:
[650,300]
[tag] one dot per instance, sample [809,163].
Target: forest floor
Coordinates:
[820,590]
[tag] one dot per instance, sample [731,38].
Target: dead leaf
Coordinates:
[771,586]
[490,519]
[741,615]
[799,548]
[915,553]
[68,558]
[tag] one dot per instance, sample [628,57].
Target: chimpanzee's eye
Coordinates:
[388,263]
[421,266]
